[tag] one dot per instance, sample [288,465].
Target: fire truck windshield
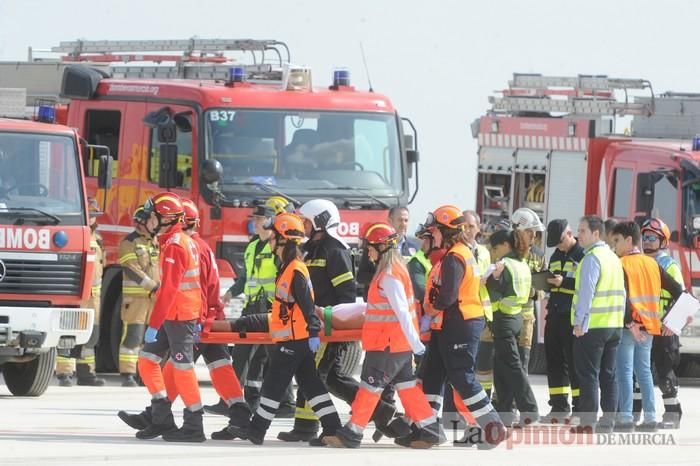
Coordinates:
[39,180]
[301,153]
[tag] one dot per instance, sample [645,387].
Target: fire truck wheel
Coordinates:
[538,360]
[30,378]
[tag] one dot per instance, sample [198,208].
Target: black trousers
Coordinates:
[595,355]
[451,357]
[666,356]
[561,374]
[294,359]
[510,380]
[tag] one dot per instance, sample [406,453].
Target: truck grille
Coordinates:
[23,275]
[74,319]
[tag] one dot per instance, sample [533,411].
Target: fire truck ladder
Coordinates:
[198,58]
[582,95]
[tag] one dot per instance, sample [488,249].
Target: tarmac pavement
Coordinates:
[78,425]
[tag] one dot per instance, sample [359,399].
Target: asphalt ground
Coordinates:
[78,425]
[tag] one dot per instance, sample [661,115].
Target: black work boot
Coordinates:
[192,429]
[343,438]
[238,421]
[429,436]
[556,416]
[136,421]
[87,377]
[161,420]
[304,430]
[65,380]
[220,408]
[671,420]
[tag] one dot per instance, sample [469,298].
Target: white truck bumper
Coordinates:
[54,322]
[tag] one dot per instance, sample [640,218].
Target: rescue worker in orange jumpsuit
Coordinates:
[294,328]
[456,314]
[172,324]
[216,356]
[390,338]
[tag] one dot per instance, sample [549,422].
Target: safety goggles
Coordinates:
[652,223]
[269,223]
[650,238]
[148,206]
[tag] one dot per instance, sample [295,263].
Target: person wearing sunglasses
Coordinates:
[665,349]
[644,281]
[456,314]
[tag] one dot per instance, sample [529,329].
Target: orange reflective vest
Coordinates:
[381,328]
[287,321]
[644,290]
[468,299]
[188,301]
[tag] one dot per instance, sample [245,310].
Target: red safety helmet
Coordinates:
[286,225]
[446,217]
[167,206]
[657,226]
[191,213]
[381,233]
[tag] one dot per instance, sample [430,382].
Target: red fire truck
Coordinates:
[225,135]
[45,264]
[550,144]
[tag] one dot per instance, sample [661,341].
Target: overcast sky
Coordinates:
[438,60]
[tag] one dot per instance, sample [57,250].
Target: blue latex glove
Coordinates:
[151,335]
[425,323]
[197,331]
[314,343]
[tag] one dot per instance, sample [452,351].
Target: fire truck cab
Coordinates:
[45,261]
[227,136]
[550,143]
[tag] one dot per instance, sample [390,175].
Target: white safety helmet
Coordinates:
[324,216]
[526,219]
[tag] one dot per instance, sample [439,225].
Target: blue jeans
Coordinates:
[633,355]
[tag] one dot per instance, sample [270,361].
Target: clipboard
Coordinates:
[677,317]
[539,280]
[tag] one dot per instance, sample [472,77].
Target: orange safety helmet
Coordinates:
[167,206]
[656,225]
[381,233]
[446,217]
[191,213]
[286,225]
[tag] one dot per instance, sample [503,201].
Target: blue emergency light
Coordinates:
[236,74]
[46,114]
[341,77]
[696,142]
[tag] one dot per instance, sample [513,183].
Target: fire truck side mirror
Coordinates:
[167,170]
[104,178]
[412,157]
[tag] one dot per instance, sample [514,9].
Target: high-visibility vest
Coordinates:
[188,302]
[536,263]
[521,281]
[483,260]
[260,271]
[569,267]
[672,268]
[468,297]
[433,282]
[423,260]
[608,305]
[287,321]
[381,328]
[644,288]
